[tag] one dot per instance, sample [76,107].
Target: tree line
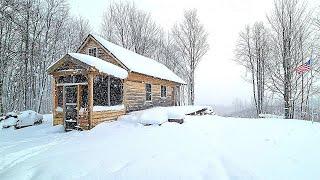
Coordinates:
[180,49]
[35,33]
[271,53]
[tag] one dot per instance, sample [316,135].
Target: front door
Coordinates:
[70,107]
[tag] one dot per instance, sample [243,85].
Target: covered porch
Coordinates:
[86,91]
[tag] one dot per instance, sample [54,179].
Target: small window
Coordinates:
[148,92]
[163,91]
[93,52]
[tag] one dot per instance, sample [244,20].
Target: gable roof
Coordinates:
[138,63]
[98,64]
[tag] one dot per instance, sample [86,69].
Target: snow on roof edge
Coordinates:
[130,58]
[101,65]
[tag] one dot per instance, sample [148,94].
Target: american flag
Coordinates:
[304,67]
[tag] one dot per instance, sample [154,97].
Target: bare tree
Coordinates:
[288,20]
[252,52]
[131,28]
[191,39]
[34,33]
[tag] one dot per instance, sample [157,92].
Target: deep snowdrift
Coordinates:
[204,147]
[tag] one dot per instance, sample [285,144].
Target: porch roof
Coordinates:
[98,64]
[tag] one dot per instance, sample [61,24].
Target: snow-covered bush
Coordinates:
[9,122]
[27,118]
[22,119]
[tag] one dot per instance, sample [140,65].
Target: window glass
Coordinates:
[116,91]
[93,52]
[148,92]
[163,91]
[100,91]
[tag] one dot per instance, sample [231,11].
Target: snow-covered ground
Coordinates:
[204,147]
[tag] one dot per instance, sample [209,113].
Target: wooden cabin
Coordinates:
[103,81]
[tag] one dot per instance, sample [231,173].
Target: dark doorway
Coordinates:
[71,108]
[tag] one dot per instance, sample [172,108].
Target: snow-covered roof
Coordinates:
[138,63]
[101,65]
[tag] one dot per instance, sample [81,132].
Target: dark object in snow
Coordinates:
[9,115]
[2,118]
[203,111]
[180,121]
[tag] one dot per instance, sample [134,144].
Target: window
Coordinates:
[116,91]
[148,92]
[100,91]
[93,52]
[163,91]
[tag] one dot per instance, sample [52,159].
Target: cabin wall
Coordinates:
[135,92]
[102,116]
[58,118]
[101,53]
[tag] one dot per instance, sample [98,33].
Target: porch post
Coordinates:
[54,99]
[79,99]
[109,90]
[90,98]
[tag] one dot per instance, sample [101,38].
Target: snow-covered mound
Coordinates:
[22,119]
[160,115]
[204,147]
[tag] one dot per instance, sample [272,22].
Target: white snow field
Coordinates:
[203,147]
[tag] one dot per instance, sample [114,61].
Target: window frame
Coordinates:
[148,92]
[165,90]
[91,54]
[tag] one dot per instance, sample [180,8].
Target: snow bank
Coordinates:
[138,63]
[152,116]
[159,115]
[101,65]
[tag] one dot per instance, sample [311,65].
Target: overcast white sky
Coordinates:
[218,79]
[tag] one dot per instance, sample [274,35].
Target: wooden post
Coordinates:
[173,95]
[64,105]
[90,99]
[124,92]
[54,100]
[78,103]
[109,90]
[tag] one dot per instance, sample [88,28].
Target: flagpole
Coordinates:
[310,98]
